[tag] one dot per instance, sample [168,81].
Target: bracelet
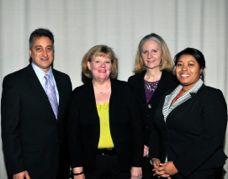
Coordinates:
[136,176]
[76,174]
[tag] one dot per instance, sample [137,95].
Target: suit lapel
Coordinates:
[157,92]
[35,84]
[141,89]
[90,100]
[160,89]
[37,88]
[182,107]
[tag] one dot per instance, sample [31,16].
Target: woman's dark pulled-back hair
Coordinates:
[198,55]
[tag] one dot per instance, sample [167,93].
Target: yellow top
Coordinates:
[105,140]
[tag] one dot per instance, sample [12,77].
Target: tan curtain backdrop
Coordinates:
[80,24]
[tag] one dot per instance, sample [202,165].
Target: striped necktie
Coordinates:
[51,93]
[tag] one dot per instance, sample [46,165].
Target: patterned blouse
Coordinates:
[150,87]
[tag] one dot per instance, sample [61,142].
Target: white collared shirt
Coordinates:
[40,75]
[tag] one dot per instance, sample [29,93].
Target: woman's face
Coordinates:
[100,67]
[187,71]
[151,54]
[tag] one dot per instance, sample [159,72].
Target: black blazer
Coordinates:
[30,133]
[167,82]
[193,134]
[84,126]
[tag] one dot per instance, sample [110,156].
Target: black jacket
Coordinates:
[193,134]
[136,82]
[125,126]
[31,135]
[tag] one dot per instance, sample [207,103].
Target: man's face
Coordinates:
[42,52]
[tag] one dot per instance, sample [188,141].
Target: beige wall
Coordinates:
[80,24]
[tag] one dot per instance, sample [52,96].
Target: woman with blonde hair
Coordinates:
[105,131]
[153,77]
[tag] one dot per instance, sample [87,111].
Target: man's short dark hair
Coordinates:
[40,33]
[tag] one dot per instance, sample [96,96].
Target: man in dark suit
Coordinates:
[33,130]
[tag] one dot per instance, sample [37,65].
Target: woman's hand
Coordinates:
[155,162]
[136,173]
[165,169]
[156,168]
[21,175]
[78,173]
[170,168]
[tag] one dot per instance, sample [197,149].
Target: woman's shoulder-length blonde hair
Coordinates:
[166,62]
[100,50]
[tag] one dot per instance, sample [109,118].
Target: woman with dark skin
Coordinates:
[191,122]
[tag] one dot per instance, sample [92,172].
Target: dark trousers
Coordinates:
[107,167]
[64,168]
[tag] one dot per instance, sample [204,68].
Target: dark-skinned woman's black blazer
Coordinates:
[193,134]
[84,126]
[167,82]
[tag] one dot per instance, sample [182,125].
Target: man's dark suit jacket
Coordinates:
[136,82]
[84,126]
[31,135]
[193,134]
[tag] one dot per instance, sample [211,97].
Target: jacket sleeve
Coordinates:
[11,139]
[136,128]
[73,128]
[211,139]
[155,137]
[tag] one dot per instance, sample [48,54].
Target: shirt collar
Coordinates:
[39,72]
